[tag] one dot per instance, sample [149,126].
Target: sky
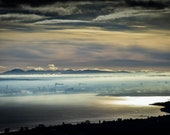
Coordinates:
[115,35]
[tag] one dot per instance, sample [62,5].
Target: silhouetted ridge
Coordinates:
[152,125]
[15,71]
[69,71]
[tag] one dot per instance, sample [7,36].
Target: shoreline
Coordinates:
[120,126]
[109,101]
[166,106]
[129,126]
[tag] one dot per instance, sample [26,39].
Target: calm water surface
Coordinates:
[55,109]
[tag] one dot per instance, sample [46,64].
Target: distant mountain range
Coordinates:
[69,71]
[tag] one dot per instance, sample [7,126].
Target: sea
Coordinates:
[51,99]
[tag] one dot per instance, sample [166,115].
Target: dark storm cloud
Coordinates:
[69,10]
[159,4]
[144,3]
[110,15]
[88,8]
[15,3]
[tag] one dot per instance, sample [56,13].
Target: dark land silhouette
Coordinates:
[153,125]
[68,71]
[166,105]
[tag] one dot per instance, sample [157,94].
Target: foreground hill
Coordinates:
[152,125]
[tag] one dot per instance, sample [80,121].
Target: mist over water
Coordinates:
[28,100]
[126,84]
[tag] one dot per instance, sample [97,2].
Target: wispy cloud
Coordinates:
[17,17]
[142,17]
[57,8]
[124,13]
[61,21]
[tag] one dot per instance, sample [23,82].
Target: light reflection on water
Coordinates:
[55,109]
[136,101]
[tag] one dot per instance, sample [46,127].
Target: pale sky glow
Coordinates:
[131,37]
[145,39]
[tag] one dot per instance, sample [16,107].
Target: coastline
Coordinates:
[166,106]
[55,109]
[128,126]
[119,126]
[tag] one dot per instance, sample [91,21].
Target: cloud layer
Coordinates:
[108,15]
[82,34]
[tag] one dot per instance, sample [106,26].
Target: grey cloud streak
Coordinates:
[125,13]
[104,56]
[126,63]
[16,17]
[57,8]
[155,54]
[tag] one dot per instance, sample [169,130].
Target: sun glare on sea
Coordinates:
[137,101]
